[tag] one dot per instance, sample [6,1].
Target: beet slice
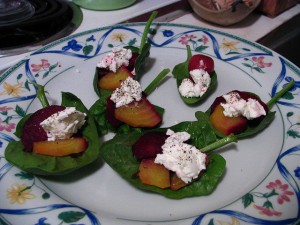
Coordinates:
[149,145]
[110,113]
[33,131]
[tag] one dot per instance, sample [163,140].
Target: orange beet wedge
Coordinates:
[138,114]
[154,174]
[227,125]
[111,80]
[176,182]
[60,147]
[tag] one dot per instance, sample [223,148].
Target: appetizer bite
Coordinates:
[122,62]
[56,139]
[128,107]
[234,111]
[128,104]
[196,77]
[167,161]
[115,67]
[174,161]
[242,113]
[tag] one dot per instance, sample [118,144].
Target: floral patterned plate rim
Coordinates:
[261,182]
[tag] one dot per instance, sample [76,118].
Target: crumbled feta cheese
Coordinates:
[63,124]
[236,106]
[183,159]
[197,86]
[253,109]
[129,91]
[113,60]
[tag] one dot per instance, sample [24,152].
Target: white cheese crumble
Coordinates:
[197,86]
[129,91]
[63,124]
[183,159]
[115,59]
[236,106]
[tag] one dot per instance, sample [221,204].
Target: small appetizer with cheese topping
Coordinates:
[128,104]
[56,139]
[196,77]
[176,162]
[236,110]
[122,62]
[242,113]
[128,107]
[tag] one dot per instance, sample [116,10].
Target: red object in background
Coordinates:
[273,8]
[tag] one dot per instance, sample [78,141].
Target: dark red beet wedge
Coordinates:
[132,60]
[110,113]
[200,61]
[101,72]
[32,130]
[149,145]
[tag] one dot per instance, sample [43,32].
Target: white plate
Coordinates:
[261,183]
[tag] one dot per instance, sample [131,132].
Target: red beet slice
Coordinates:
[33,131]
[149,145]
[200,61]
[110,113]
[132,60]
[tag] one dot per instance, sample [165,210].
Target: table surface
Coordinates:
[254,27]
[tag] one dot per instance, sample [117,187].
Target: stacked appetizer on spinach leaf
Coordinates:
[196,77]
[56,139]
[241,113]
[175,162]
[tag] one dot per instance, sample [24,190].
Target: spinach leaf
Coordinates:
[140,60]
[97,111]
[20,125]
[181,72]
[117,152]
[95,83]
[49,165]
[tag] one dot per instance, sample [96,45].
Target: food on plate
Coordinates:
[145,160]
[52,124]
[168,160]
[149,145]
[131,106]
[234,111]
[128,107]
[175,156]
[200,61]
[60,147]
[56,139]
[122,62]
[242,113]
[114,68]
[196,77]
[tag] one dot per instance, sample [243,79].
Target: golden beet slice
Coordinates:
[138,114]
[154,174]
[111,80]
[227,125]
[176,182]
[60,147]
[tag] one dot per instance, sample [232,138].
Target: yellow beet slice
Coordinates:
[154,174]
[60,147]
[112,81]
